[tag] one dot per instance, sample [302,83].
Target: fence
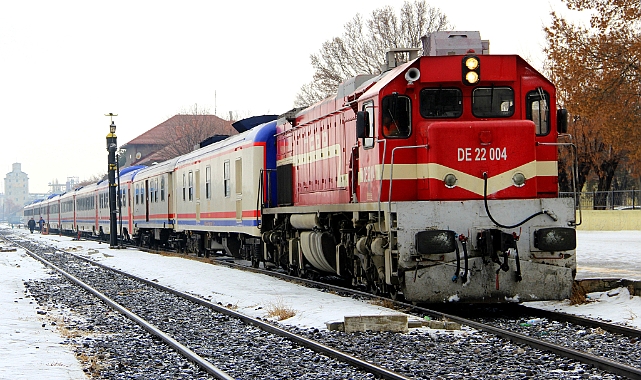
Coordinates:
[608,200]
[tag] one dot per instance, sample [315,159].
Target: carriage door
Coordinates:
[169,192]
[197,195]
[239,189]
[146,198]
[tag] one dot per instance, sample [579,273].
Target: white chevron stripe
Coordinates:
[465,181]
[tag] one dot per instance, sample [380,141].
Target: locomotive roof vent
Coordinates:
[454,43]
[398,56]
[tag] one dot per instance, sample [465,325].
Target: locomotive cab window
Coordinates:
[493,102]
[396,116]
[441,102]
[368,141]
[538,110]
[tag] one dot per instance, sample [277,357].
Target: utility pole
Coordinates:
[112,146]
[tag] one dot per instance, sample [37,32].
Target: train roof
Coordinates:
[156,169]
[130,169]
[258,134]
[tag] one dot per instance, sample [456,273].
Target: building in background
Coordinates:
[16,193]
[177,135]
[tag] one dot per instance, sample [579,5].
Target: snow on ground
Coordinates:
[609,254]
[27,348]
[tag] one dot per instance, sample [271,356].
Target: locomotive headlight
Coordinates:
[450,181]
[518,179]
[472,77]
[472,63]
[471,70]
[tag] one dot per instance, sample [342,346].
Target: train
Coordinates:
[434,181]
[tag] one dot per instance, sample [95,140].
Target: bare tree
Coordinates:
[184,131]
[362,47]
[91,180]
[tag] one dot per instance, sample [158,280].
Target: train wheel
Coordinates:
[292,271]
[396,294]
[255,262]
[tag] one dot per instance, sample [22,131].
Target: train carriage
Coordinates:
[86,207]
[52,215]
[152,203]
[124,222]
[33,210]
[102,208]
[214,193]
[124,200]
[67,212]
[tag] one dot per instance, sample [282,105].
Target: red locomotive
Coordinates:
[436,179]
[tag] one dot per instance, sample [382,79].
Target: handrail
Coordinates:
[391,180]
[575,176]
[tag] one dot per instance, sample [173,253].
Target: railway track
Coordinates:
[211,336]
[596,350]
[417,356]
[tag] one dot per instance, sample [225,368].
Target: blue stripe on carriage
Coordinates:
[220,223]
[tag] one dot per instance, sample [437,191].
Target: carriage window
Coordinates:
[191,186]
[396,116]
[226,178]
[441,102]
[162,189]
[493,102]
[156,190]
[184,187]
[368,142]
[208,182]
[538,110]
[137,194]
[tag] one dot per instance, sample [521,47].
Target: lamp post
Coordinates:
[112,146]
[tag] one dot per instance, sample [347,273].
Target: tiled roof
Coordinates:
[155,136]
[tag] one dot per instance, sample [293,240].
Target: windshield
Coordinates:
[441,102]
[493,102]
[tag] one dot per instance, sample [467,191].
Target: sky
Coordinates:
[65,64]
[30,345]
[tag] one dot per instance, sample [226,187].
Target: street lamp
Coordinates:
[112,146]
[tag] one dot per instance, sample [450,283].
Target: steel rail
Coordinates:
[596,361]
[308,343]
[555,315]
[186,352]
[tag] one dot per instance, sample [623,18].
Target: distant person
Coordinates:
[41,223]
[31,224]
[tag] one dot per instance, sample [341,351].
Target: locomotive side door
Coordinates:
[366,137]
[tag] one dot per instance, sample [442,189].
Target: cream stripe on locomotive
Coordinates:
[465,181]
[324,153]
[313,156]
[421,171]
